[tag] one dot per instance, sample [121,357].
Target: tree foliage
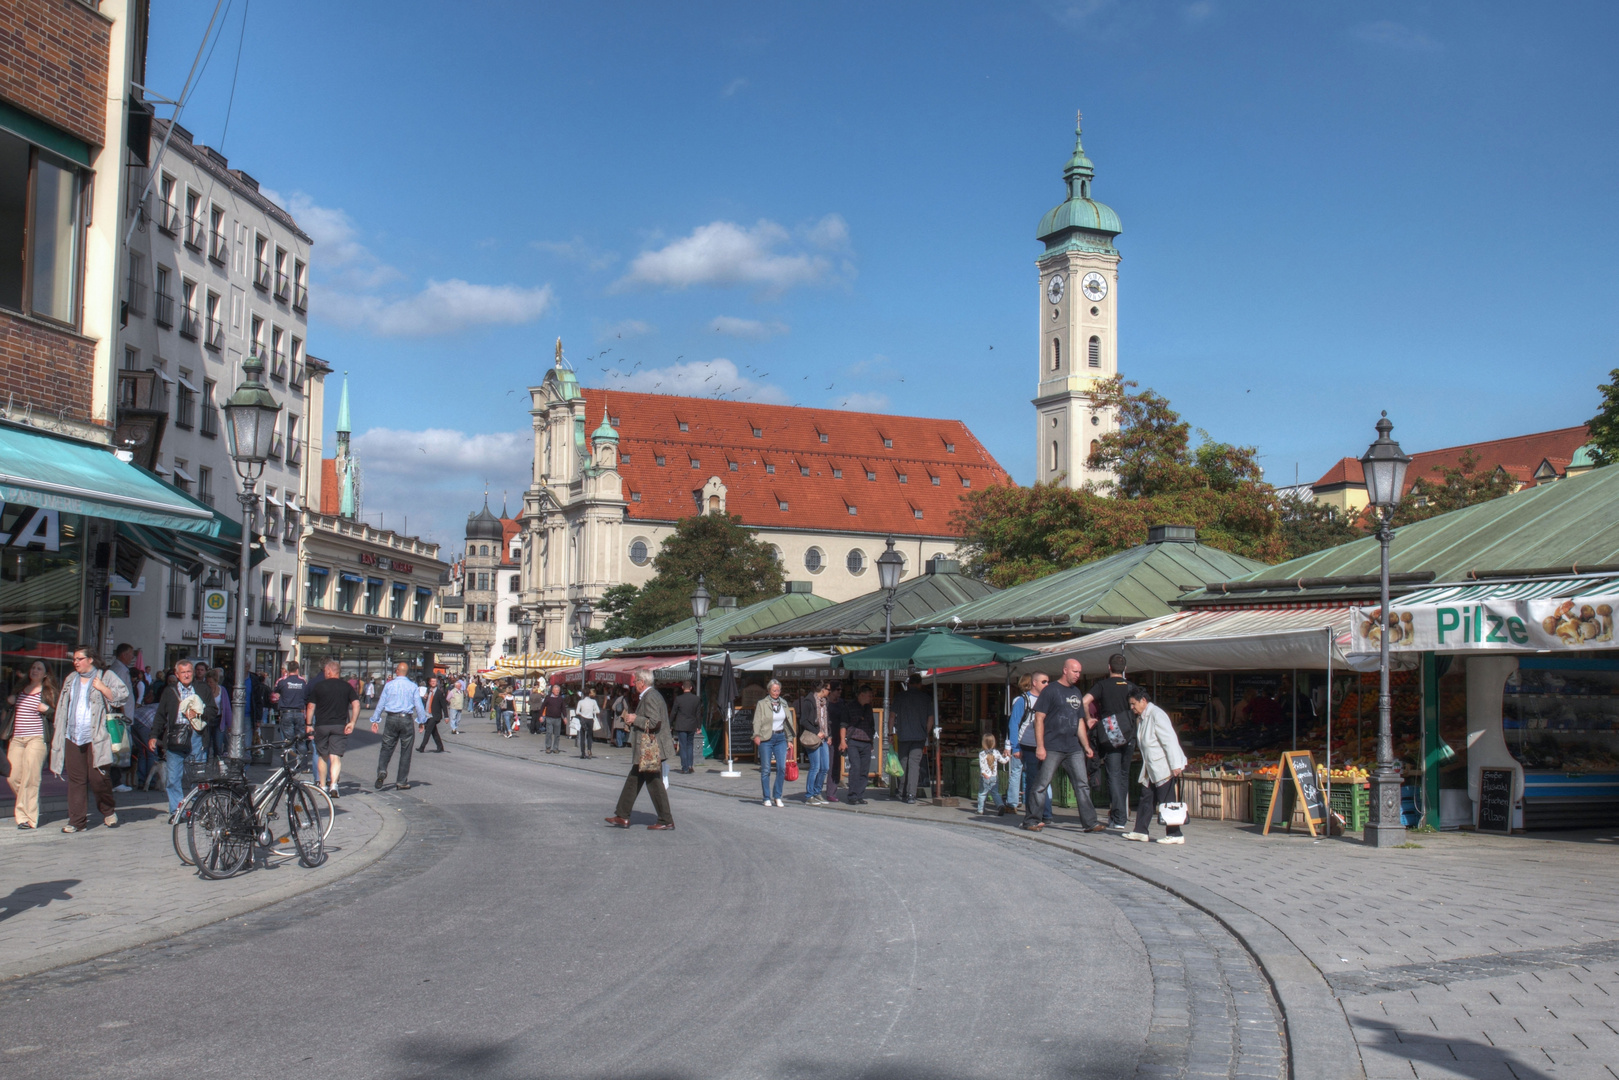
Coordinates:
[615,604]
[1309,526]
[1013,535]
[1458,486]
[717,546]
[1605,424]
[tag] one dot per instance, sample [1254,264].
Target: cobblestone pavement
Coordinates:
[1467,956]
[65,899]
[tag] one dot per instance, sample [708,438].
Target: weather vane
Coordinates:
[1079,118]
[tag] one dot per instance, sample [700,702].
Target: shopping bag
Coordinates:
[891,765]
[792,769]
[118,732]
[1174,813]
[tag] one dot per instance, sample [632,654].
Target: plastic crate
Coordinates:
[1349,801]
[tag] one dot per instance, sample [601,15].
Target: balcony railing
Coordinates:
[188,323]
[290,528]
[300,298]
[295,376]
[276,447]
[194,232]
[163,310]
[218,248]
[283,285]
[278,365]
[261,276]
[168,217]
[185,409]
[267,610]
[210,422]
[295,456]
[215,336]
[135,295]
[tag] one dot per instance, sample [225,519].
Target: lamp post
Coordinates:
[1384,465]
[581,615]
[526,626]
[699,611]
[251,418]
[889,567]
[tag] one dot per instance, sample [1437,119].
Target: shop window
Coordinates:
[40,232]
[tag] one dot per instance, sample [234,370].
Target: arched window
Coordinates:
[638,552]
[1096,352]
[713,504]
[1056,354]
[856,561]
[814,560]
[1093,449]
[1053,453]
[483,549]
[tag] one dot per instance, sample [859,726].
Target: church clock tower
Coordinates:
[1079,277]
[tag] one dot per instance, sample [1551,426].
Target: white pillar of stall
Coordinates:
[1486,742]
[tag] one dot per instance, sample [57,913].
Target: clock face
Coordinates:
[1094,285]
[1054,289]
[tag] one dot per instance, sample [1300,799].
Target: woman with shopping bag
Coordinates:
[1162,762]
[774,730]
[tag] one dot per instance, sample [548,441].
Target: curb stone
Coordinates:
[1321,1043]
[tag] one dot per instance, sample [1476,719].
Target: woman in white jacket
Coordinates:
[1162,762]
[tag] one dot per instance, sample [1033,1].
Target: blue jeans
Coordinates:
[773,748]
[819,759]
[686,740]
[1014,779]
[455,721]
[989,787]
[174,768]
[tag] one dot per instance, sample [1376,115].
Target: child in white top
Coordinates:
[990,760]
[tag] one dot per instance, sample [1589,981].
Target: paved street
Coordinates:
[511,934]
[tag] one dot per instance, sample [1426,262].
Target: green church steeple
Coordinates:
[1079,223]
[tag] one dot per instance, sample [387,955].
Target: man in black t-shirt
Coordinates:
[333,706]
[1113,732]
[1062,741]
[289,700]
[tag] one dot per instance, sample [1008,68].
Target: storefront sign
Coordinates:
[382,562]
[1584,622]
[432,635]
[34,528]
[215,615]
[375,629]
[1495,800]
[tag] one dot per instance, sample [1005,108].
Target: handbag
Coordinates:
[118,733]
[1173,813]
[648,754]
[809,740]
[792,769]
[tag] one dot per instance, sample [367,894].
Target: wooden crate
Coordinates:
[1221,797]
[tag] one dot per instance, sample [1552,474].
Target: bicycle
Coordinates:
[180,821]
[230,817]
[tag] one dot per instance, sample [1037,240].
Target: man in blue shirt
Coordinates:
[398,714]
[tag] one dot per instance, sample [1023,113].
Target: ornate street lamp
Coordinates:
[1384,465]
[699,611]
[581,615]
[251,417]
[890,565]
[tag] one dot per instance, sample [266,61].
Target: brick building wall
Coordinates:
[51,369]
[53,63]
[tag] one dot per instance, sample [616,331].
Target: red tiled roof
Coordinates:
[1518,457]
[508,529]
[793,461]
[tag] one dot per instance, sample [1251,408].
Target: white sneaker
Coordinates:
[781,802]
[123,787]
[1172,839]
[1143,837]
[769,802]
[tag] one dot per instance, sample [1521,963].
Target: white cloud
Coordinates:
[734,86]
[1198,11]
[861,402]
[1396,36]
[352,287]
[723,253]
[752,329]
[443,307]
[625,328]
[431,480]
[576,250]
[698,378]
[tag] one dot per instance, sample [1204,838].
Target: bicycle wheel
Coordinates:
[182,845]
[325,808]
[308,818]
[220,833]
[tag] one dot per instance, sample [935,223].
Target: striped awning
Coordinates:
[534,662]
[1554,588]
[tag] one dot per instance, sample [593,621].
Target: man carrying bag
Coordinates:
[1113,734]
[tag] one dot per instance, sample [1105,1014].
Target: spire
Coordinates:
[343,427]
[1079,171]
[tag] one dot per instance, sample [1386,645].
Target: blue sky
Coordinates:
[1329,209]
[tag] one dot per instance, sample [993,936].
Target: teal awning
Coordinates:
[38,468]
[1477,592]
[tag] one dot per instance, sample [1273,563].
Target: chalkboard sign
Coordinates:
[1495,800]
[1296,779]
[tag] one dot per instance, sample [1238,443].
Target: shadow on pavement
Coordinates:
[1460,1057]
[26,897]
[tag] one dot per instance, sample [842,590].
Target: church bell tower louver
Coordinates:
[1078,328]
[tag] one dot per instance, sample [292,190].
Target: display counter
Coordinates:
[1560,717]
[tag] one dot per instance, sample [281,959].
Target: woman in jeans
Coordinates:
[30,710]
[814,718]
[773,733]
[1162,762]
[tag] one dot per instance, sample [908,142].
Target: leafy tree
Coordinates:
[1455,487]
[1309,526]
[615,603]
[732,561]
[1605,424]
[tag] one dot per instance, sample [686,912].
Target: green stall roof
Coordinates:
[723,624]
[1570,526]
[860,621]
[1141,583]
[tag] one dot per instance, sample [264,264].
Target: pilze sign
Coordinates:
[1566,625]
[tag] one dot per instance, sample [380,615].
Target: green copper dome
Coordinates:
[604,432]
[1080,222]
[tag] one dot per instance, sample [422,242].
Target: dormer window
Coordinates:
[904,479]
[966,482]
[935,480]
[917,512]
[888,444]
[625,458]
[733,465]
[950,448]
[803,470]
[683,425]
[659,460]
[837,474]
[696,464]
[782,503]
[758,433]
[635,496]
[853,509]
[771,469]
[823,435]
[870,475]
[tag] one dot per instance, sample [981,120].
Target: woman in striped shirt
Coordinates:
[31,707]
